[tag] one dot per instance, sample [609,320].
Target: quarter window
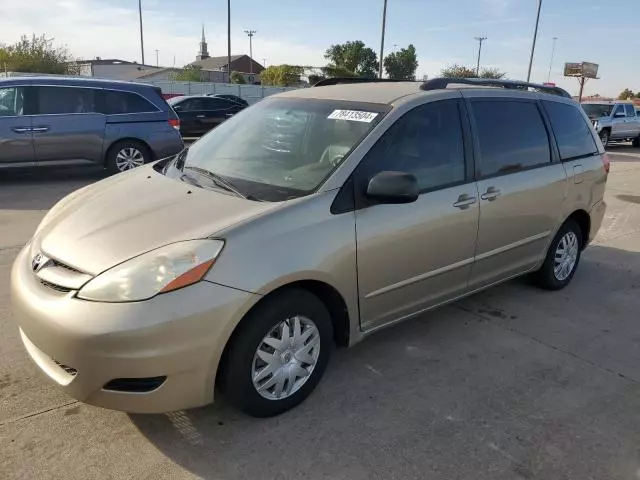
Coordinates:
[426,142]
[572,133]
[511,136]
[65,100]
[118,103]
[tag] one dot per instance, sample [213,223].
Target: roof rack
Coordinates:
[345,80]
[441,83]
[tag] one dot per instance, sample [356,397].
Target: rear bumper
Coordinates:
[82,345]
[166,144]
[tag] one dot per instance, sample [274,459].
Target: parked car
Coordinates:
[200,113]
[55,120]
[239,265]
[233,98]
[614,121]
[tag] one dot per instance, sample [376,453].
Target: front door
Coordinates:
[521,189]
[414,256]
[67,125]
[618,122]
[16,140]
[632,122]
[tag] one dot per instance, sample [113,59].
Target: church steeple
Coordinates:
[204,51]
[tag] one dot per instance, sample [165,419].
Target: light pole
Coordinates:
[229,41]
[533,45]
[141,35]
[480,40]
[250,34]
[553,51]
[384,22]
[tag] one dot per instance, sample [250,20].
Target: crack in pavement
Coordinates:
[548,345]
[34,414]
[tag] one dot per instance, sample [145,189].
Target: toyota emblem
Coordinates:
[38,262]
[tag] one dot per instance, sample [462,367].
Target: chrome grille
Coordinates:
[57,288]
[56,275]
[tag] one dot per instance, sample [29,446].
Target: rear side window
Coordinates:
[511,136]
[426,142]
[11,101]
[118,103]
[217,104]
[65,100]
[631,111]
[573,135]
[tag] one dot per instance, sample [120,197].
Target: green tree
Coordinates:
[461,71]
[626,94]
[402,65]
[493,73]
[190,73]
[237,77]
[36,55]
[351,59]
[281,75]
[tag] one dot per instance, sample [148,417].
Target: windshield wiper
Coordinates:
[219,180]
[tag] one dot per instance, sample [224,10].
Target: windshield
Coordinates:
[596,110]
[283,148]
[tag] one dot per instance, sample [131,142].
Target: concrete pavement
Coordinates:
[512,383]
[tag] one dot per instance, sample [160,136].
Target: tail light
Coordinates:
[175,123]
[606,162]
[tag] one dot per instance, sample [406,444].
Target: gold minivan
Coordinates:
[308,220]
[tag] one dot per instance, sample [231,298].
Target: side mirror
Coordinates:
[393,187]
[619,115]
[177,108]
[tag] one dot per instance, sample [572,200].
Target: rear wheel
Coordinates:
[279,354]
[604,137]
[126,155]
[562,258]
[636,142]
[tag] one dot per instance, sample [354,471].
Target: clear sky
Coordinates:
[299,31]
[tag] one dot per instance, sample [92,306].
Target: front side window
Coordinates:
[631,111]
[619,111]
[65,100]
[426,142]
[11,101]
[572,133]
[511,136]
[119,103]
[284,148]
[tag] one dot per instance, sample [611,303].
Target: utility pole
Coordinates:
[535,36]
[384,23]
[250,34]
[141,34]
[229,41]
[264,62]
[553,51]
[480,40]
[157,61]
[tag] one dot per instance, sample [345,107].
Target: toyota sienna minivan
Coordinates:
[239,264]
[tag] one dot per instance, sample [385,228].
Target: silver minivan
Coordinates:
[308,220]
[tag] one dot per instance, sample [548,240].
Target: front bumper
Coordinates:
[82,345]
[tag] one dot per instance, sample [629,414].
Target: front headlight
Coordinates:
[158,271]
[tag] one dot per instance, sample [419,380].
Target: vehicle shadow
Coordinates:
[41,187]
[504,384]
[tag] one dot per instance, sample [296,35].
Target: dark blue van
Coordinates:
[58,120]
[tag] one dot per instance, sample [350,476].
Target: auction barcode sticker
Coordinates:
[353,115]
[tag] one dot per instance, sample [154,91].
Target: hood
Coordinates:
[131,213]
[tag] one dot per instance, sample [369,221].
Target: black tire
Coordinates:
[112,162]
[604,137]
[237,383]
[636,142]
[546,277]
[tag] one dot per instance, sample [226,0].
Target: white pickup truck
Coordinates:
[614,121]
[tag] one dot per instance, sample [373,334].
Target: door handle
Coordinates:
[464,201]
[491,194]
[40,129]
[200,116]
[21,129]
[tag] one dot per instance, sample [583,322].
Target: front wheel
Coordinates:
[636,142]
[562,258]
[278,355]
[604,137]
